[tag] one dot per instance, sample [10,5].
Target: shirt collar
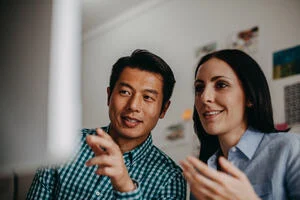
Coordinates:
[138,152]
[249,142]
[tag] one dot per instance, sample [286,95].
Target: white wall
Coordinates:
[174,29]
[24,74]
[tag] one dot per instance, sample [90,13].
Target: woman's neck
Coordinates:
[230,139]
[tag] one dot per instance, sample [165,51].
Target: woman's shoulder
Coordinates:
[282,140]
[283,136]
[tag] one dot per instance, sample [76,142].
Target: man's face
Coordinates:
[135,104]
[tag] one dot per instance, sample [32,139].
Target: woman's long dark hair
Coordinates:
[259,115]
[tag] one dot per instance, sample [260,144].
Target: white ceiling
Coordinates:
[96,13]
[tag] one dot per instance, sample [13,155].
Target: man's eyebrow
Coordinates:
[151,91]
[145,90]
[126,85]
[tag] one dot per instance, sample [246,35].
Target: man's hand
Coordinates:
[207,183]
[109,159]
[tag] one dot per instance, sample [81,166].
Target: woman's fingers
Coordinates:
[207,183]
[204,170]
[188,171]
[229,168]
[199,183]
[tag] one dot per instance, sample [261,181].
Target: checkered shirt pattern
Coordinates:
[155,174]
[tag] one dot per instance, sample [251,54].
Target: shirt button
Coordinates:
[233,149]
[97,193]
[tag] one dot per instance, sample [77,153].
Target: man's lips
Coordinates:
[130,121]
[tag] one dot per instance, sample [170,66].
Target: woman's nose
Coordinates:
[207,96]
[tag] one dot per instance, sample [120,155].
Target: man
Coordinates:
[120,161]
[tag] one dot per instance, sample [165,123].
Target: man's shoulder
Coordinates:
[165,161]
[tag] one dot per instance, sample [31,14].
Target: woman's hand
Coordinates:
[207,183]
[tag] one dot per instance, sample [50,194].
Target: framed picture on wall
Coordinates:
[245,40]
[176,133]
[286,62]
[292,104]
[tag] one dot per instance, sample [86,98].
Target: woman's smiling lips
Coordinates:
[211,114]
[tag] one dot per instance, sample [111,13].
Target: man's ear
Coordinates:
[108,95]
[164,109]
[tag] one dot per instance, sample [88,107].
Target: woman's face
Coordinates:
[220,99]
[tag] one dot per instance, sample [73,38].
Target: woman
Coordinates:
[234,122]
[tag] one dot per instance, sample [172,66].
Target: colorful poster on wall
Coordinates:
[286,62]
[177,133]
[245,40]
[205,49]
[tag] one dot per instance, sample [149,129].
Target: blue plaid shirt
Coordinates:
[156,175]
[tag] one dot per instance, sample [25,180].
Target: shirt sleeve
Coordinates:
[43,185]
[175,188]
[293,173]
[132,195]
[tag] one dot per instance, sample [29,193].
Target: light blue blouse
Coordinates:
[270,161]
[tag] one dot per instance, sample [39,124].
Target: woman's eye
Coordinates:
[221,85]
[199,88]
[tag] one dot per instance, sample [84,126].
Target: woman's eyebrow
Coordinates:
[218,77]
[198,81]
[212,79]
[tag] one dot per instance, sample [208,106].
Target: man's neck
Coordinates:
[126,144]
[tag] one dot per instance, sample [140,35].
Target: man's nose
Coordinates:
[135,103]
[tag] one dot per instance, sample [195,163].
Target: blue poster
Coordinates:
[286,62]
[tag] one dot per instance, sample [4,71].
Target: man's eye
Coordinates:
[124,92]
[148,98]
